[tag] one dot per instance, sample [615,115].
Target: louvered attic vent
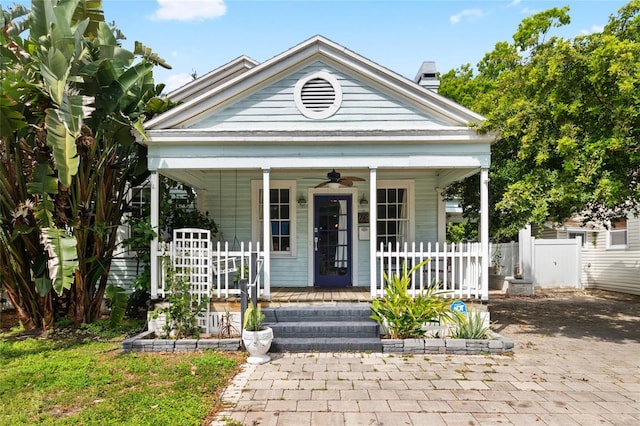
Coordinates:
[318,95]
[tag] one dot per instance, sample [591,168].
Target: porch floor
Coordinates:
[318,295]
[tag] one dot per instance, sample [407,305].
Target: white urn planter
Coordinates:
[258,344]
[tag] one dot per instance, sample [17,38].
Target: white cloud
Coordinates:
[529,11]
[593,29]
[468,15]
[514,3]
[175,81]
[189,10]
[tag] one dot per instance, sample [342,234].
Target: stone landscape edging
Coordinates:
[496,345]
[142,343]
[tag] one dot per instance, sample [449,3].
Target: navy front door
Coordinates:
[332,240]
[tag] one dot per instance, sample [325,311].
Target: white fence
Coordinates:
[214,272]
[554,262]
[557,263]
[456,268]
[504,258]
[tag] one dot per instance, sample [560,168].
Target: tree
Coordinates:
[71,98]
[567,114]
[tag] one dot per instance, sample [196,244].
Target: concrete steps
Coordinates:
[323,329]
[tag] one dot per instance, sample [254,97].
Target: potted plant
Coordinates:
[256,337]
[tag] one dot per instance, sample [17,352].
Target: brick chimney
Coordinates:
[427,76]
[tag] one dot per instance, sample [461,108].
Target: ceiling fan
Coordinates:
[336,179]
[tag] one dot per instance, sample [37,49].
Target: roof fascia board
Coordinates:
[385,79]
[203,102]
[203,137]
[242,63]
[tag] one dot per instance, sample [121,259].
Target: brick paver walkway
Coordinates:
[552,379]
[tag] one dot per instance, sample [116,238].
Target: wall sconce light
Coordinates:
[363,201]
[302,202]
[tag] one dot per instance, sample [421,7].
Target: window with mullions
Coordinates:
[281,213]
[393,215]
[139,201]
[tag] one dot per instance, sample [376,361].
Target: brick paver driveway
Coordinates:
[576,362]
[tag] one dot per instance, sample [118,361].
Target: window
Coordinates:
[140,197]
[395,217]
[575,234]
[617,234]
[282,213]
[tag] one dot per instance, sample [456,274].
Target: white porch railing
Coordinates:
[224,267]
[458,268]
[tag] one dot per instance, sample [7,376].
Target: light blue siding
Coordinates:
[274,105]
[232,212]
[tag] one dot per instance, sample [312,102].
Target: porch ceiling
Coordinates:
[200,178]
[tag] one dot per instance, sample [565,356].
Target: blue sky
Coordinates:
[200,35]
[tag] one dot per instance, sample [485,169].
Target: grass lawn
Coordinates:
[81,377]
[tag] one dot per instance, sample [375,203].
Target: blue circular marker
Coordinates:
[459,306]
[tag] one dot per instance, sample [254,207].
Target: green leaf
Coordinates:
[138,126]
[43,286]
[55,70]
[91,10]
[149,55]
[44,182]
[118,300]
[63,258]
[64,147]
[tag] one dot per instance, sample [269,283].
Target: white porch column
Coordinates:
[442,217]
[155,222]
[373,228]
[266,231]
[484,231]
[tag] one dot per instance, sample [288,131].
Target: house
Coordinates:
[333,160]
[610,256]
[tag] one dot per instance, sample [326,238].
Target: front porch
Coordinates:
[287,296]
[459,270]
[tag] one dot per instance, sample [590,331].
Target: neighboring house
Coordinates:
[610,258]
[327,156]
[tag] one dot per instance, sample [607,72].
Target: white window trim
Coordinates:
[584,234]
[124,229]
[256,186]
[409,185]
[626,239]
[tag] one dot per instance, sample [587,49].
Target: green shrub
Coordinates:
[183,311]
[404,315]
[471,326]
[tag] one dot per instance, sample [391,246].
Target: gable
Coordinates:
[246,95]
[363,107]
